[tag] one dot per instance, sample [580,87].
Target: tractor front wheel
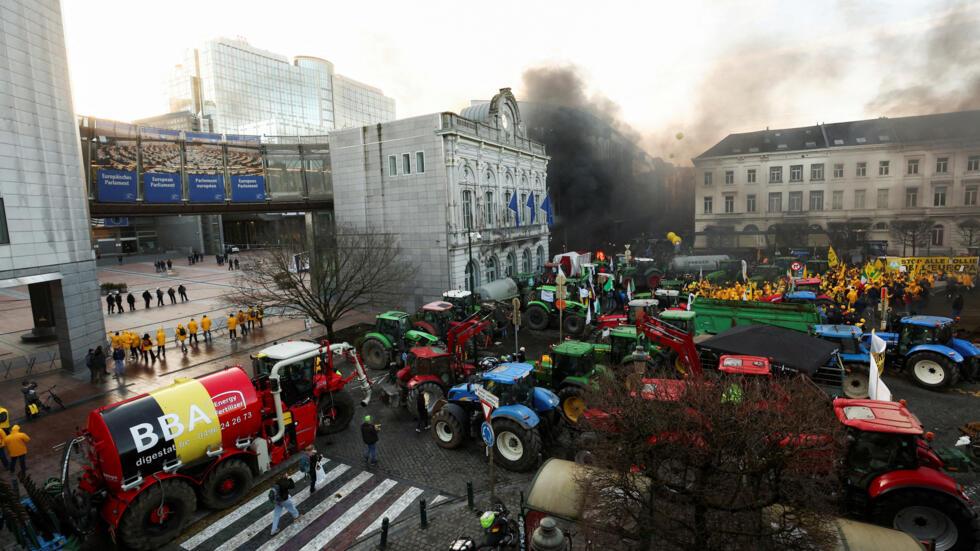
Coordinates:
[573,324]
[376,355]
[431,393]
[334,412]
[158,515]
[516,448]
[536,317]
[930,370]
[226,484]
[572,404]
[929,516]
[447,430]
[855,381]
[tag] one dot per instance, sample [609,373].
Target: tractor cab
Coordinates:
[881,436]
[765,273]
[511,383]
[572,359]
[622,343]
[461,301]
[668,298]
[681,319]
[426,362]
[640,307]
[919,330]
[435,318]
[392,324]
[807,284]
[296,379]
[727,272]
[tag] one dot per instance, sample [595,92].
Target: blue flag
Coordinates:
[530,205]
[513,206]
[546,207]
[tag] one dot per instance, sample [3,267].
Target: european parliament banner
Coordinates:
[247,188]
[206,188]
[117,186]
[161,187]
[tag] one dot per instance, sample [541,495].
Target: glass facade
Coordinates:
[357,104]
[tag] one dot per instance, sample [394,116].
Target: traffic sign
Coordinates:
[796,266]
[486,431]
[486,396]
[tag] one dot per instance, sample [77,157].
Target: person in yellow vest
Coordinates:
[250,316]
[243,323]
[232,324]
[192,331]
[206,327]
[259,314]
[117,340]
[852,296]
[181,334]
[134,345]
[146,348]
[161,343]
[16,446]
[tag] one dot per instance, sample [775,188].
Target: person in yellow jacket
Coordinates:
[206,327]
[161,343]
[117,340]
[243,323]
[134,345]
[16,446]
[146,348]
[259,314]
[181,333]
[250,316]
[232,324]
[192,331]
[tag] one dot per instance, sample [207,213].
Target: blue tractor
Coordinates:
[524,417]
[923,346]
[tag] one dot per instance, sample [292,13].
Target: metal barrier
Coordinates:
[36,364]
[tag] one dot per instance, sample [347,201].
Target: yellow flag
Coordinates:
[832,259]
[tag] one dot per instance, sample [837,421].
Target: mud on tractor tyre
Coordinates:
[930,370]
[375,354]
[855,383]
[447,430]
[537,318]
[515,448]
[432,392]
[571,404]
[144,527]
[226,484]
[334,412]
[573,324]
[927,516]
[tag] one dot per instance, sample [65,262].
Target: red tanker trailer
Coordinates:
[149,460]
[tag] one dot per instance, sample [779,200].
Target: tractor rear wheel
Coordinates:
[855,381]
[516,448]
[376,355]
[447,430]
[226,484]
[536,317]
[334,412]
[573,324]
[571,404]
[930,370]
[929,516]
[158,515]
[432,393]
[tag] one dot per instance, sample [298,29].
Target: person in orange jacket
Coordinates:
[181,333]
[161,343]
[16,445]
[232,324]
[206,328]
[192,331]
[243,323]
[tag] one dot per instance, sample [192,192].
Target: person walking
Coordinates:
[251,317]
[259,314]
[111,303]
[243,323]
[423,410]
[206,327]
[161,343]
[279,495]
[957,305]
[147,297]
[181,334]
[183,292]
[236,265]
[3,436]
[159,297]
[119,359]
[192,332]
[147,347]
[134,345]
[131,300]
[231,263]
[119,306]
[98,361]
[369,433]
[16,445]
[232,324]
[90,364]
[170,265]
[310,464]
[173,295]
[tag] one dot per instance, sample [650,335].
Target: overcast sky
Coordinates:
[669,66]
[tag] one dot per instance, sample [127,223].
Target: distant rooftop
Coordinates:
[962,125]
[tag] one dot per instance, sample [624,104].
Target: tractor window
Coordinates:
[297,381]
[572,365]
[261,366]
[944,334]
[871,453]
[395,328]
[850,345]
[518,392]
[914,335]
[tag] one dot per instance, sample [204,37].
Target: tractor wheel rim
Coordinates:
[227,486]
[929,372]
[573,408]
[856,385]
[927,524]
[510,446]
[444,432]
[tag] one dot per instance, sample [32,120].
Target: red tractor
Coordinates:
[148,462]
[433,370]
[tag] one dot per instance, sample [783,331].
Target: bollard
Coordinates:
[384,533]
[469,495]
[424,520]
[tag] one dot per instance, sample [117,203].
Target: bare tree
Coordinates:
[354,268]
[711,464]
[911,234]
[969,232]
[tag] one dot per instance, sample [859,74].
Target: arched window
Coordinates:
[540,259]
[526,261]
[522,207]
[938,235]
[472,275]
[467,209]
[491,269]
[511,268]
[468,176]
[750,228]
[488,209]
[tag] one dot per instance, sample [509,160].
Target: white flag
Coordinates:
[877,390]
[629,289]
[745,272]
[588,313]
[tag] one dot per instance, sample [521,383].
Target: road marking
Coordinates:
[233,516]
[306,518]
[439,499]
[265,522]
[394,510]
[338,526]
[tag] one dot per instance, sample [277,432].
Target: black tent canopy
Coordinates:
[781,346]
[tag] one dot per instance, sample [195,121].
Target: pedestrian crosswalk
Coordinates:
[348,504]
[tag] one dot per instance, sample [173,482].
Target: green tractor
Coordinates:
[567,370]
[392,334]
[727,273]
[541,311]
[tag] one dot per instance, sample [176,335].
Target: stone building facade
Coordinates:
[442,183]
